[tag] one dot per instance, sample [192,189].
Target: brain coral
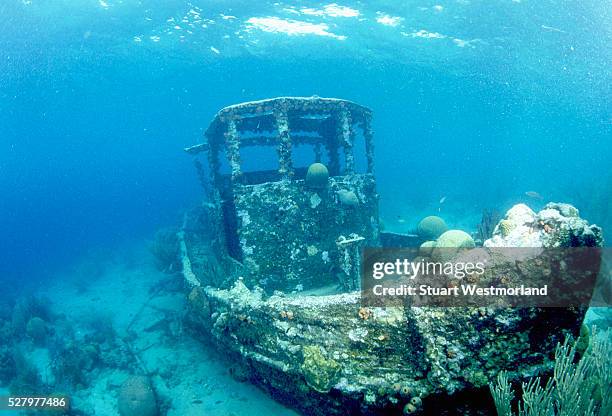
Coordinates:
[450,243]
[426,248]
[455,239]
[317,175]
[431,227]
[136,398]
[505,227]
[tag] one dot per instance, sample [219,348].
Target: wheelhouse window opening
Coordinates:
[305,154]
[359,150]
[259,163]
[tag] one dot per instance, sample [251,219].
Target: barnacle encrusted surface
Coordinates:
[328,355]
[319,372]
[289,221]
[327,345]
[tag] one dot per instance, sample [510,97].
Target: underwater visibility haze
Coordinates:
[134,283]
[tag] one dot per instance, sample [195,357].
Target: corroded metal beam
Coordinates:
[198,148]
[345,137]
[232,146]
[284,144]
[368,136]
[292,105]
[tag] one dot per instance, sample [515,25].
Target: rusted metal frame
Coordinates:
[343,134]
[198,148]
[232,147]
[273,140]
[368,136]
[285,168]
[346,137]
[350,260]
[301,104]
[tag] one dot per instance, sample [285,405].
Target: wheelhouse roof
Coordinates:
[257,119]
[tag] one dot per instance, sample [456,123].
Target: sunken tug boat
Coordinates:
[272,261]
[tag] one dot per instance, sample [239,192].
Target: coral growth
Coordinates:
[487,224]
[137,398]
[576,388]
[27,308]
[557,225]
[348,198]
[431,227]
[450,243]
[320,373]
[317,176]
[505,227]
[455,239]
[426,248]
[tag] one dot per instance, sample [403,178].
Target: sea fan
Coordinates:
[582,388]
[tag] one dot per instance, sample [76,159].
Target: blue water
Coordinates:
[474,101]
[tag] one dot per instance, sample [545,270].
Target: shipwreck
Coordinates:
[272,262]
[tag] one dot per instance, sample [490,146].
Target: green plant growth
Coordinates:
[577,387]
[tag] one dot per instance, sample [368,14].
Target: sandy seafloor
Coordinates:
[131,291]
